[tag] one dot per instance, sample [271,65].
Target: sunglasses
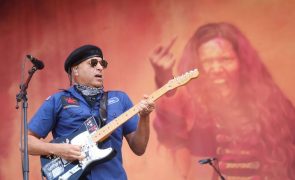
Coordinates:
[103,63]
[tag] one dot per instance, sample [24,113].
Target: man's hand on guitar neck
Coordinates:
[145,106]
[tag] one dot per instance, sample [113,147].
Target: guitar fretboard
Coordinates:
[105,131]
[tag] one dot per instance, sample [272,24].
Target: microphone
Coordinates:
[208,160]
[37,63]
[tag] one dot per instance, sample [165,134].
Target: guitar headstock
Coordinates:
[182,79]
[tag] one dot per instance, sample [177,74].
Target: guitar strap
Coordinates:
[103,104]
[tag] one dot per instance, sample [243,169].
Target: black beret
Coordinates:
[81,54]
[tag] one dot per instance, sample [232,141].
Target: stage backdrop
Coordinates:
[127,31]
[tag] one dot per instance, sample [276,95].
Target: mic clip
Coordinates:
[38,64]
[206,161]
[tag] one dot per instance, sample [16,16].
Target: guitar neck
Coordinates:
[105,131]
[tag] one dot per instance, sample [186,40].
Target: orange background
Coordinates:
[127,31]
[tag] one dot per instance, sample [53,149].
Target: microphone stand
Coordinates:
[217,170]
[22,96]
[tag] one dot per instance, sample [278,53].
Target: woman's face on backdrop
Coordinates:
[220,65]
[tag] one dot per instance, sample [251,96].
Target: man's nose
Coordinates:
[99,66]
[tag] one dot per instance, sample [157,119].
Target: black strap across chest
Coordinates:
[103,104]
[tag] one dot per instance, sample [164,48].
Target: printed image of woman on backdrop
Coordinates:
[234,111]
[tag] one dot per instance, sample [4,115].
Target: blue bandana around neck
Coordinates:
[89,91]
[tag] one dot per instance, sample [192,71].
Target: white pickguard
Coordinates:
[89,150]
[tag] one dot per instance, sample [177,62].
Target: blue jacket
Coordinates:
[65,111]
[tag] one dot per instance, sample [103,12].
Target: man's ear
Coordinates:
[75,70]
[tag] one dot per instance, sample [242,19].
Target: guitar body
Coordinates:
[54,168]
